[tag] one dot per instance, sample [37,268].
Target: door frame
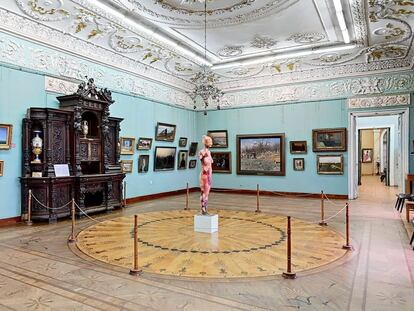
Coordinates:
[353,146]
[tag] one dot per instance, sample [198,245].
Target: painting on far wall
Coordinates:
[164,159]
[182,159]
[1,168]
[330,164]
[325,140]
[299,164]
[219,138]
[127,145]
[143,163]
[192,164]
[126,166]
[298,147]
[367,154]
[193,149]
[165,132]
[144,143]
[182,142]
[6,131]
[221,162]
[262,154]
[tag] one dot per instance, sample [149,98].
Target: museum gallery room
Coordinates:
[207,155]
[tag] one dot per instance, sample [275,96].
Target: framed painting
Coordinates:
[182,142]
[262,154]
[192,164]
[6,133]
[182,159]
[1,168]
[126,166]
[164,158]
[219,138]
[127,145]
[144,143]
[298,147]
[165,132]
[326,140]
[143,163]
[193,149]
[367,154]
[221,162]
[330,164]
[298,164]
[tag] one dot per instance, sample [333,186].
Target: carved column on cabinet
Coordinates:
[47,129]
[27,129]
[77,120]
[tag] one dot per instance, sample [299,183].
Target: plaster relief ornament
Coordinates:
[306,37]
[263,42]
[44,10]
[389,31]
[126,44]
[382,9]
[230,51]
[179,66]
[98,26]
[378,52]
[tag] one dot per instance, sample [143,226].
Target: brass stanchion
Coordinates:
[322,222]
[125,200]
[72,237]
[289,274]
[29,209]
[186,208]
[347,245]
[258,200]
[135,270]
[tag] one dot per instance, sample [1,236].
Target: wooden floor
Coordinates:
[38,271]
[248,244]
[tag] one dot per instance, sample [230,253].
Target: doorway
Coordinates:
[378,149]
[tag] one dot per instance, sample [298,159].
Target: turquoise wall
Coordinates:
[20,90]
[297,122]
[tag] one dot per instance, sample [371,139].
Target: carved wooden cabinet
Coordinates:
[83,135]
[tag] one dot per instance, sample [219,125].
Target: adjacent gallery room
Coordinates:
[206,155]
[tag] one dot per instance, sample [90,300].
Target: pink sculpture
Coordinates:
[206,173]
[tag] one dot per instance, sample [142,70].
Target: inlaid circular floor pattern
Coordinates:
[247,244]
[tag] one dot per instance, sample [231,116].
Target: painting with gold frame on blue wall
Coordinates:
[1,168]
[6,131]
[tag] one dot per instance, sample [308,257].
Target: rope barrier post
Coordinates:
[72,237]
[124,203]
[186,208]
[258,200]
[135,271]
[347,245]
[29,209]
[322,222]
[289,274]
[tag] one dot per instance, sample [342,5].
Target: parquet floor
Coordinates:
[248,244]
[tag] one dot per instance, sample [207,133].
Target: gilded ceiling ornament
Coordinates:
[378,52]
[230,51]
[126,44]
[306,37]
[44,10]
[155,53]
[98,26]
[262,42]
[381,9]
[389,31]
[180,67]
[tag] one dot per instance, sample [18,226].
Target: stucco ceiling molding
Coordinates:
[379,101]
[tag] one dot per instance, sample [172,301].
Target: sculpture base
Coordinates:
[206,223]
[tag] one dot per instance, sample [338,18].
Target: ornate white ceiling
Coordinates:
[285,41]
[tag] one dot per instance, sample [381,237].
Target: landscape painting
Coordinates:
[144,143]
[330,164]
[219,138]
[165,132]
[164,159]
[221,162]
[5,136]
[261,154]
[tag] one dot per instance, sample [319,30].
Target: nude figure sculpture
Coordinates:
[206,173]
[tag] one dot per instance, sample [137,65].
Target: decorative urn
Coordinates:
[85,128]
[37,144]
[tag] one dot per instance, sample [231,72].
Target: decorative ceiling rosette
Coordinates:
[44,10]
[125,44]
[181,67]
[306,37]
[230,51]
[262,42]
[241,72]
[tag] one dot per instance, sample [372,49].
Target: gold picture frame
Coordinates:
[6,134]
[127,145]
[1,168]
[126,166]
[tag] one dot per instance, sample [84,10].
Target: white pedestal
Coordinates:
[206,223]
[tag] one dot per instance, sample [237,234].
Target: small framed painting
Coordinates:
[144,143]
[330,164]
[298,147]
[326,140]
[126,166]
[165,132]
[193,149]
[182,159]
[192,163]
[6,133]
[182,142]
[221,162]
[367,155]
[127,145]
[164,159]
[143,163]
[219,138]
[2,167]
[298,164]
